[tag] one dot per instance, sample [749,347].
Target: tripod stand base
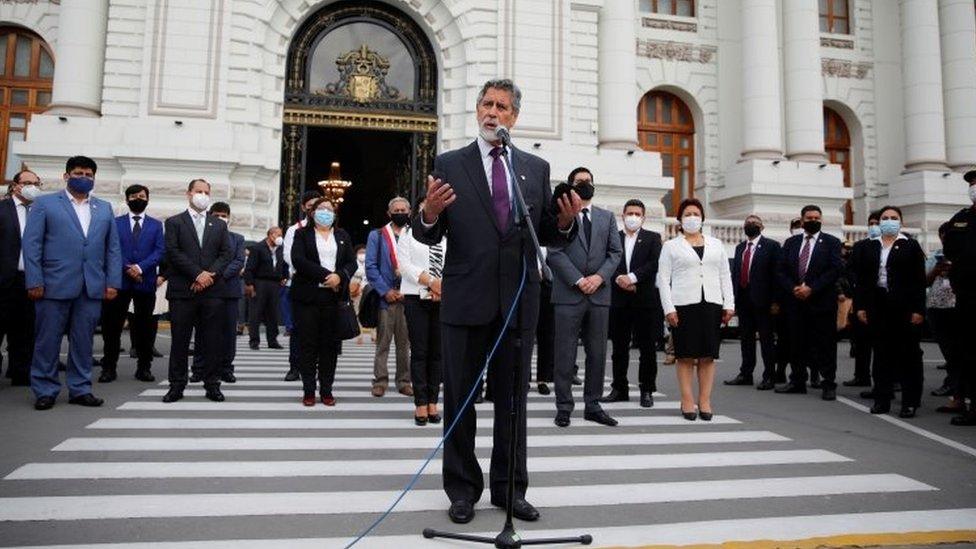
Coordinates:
[508,538]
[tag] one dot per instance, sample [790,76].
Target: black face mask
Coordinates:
[752,230]
[400,219]
[811,227]
[137,205]
[585,191]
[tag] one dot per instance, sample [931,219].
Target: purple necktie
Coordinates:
[804,257]
[499,191]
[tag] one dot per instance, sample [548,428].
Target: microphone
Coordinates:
[501,132]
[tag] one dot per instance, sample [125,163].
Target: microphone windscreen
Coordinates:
[501,132]
[562,189]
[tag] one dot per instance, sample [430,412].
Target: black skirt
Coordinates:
[699,330]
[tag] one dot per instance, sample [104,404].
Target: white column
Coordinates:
[618,74]
[921,71]
[803,81]
[957,21]
[80,58]
[762,133]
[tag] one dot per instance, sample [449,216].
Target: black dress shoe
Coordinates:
[292,375]
[214,394]
[815,384]
[88,400]
[420,421]
[577,380]
[966,420]
[62,367]
[174,394]
[615,396]
[690,416]
[766,385]
[600,417]
[647,399]
[461,512]
[705,416]
[108,375]
[739,380]
[881,408]
[156,353]
[857,383]
[792,388]
[945,390]
[145,375]
[195,378]
[521,509]
[44,403]
[907,412]
[229,377]
[867,394]
[829,393]
[254,346]
[544,389]
[479,399]
[434,418]
[275,345]
[562,419]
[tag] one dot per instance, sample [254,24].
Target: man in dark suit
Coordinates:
[470,202]
[544,336]
[230,294]
[197,253]
[756,290]
[808,270]
[860,335]
[143,246]
[264,275]
[581,281]
[17,319]
[635,309]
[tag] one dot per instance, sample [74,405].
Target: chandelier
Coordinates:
[334,188]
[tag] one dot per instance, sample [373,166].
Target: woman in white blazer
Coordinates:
[695,284]
[420,270]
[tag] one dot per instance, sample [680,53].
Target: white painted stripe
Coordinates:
[329,503]
[784,529]
[210,443]
[913,428]
[405,407]
[342,468]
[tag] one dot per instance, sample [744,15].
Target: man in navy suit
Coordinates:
[754,278]
[808,271]
[17,318]
[470,202]
[72,262]
[141,240]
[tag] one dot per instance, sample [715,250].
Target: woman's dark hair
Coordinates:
[688,202]
[895,209]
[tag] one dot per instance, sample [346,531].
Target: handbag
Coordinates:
[369,308]
[347,325]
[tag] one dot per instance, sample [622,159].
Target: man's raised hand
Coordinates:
[440,195]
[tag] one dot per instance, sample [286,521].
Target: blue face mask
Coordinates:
[324,218]
[81,185]
[890,227]
[874,231]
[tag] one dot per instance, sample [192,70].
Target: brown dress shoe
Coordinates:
[406,390]
[378,390]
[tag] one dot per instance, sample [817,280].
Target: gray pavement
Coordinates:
[261,467]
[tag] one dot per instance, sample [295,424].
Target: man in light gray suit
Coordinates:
[582,274]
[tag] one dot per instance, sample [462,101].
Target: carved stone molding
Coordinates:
[839,43]
[361,120]
[842,68]
[676,51]
[668,24]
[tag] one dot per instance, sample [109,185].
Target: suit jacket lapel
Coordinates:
[476,174]
[188,221]
[70,210]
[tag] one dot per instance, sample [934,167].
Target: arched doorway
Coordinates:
[665,125]
[837,144]
[25,89]
[361,91]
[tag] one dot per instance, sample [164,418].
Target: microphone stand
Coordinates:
[508,538]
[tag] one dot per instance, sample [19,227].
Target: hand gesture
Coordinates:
[917,319]
[435,285]
[727,315]
[862,317]
[440,195]
[205,279]
[249,291]
[333,281]
[569,208]
[132,271]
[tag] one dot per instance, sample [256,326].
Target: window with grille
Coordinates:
[25,89]
[834,17]
[668,7]
[837,144]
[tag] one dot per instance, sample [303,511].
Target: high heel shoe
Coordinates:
[420,421]
[690,416]
[434,418]
[705,416]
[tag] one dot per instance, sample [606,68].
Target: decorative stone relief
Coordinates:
[676,51]
[668,24]
[842,68]
[839,43]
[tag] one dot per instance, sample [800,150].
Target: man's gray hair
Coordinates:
[503,84]
[396,199]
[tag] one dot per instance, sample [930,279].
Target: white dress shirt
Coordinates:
[883,266]
[198,217]
[289,241]
[487,160]
[630,240]
[21,208]
[274,256]
[82,210]
[328,251]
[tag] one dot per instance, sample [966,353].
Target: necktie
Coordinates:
[499,191]
[746,260]
[804,257]
[587,226]
[136,227]
[198,222]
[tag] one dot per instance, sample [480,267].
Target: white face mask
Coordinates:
[972,193]
[361,258]
[30,192]
[795,232]
[633,222]
[279,241]
[201,201]
[691,224]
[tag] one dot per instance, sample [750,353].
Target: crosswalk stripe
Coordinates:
[356,392]
[57,508]
[340,468]
[209,443]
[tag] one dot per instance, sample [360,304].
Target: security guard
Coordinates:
[960,250]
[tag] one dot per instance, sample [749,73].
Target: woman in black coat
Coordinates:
[324,262]
[890,299]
